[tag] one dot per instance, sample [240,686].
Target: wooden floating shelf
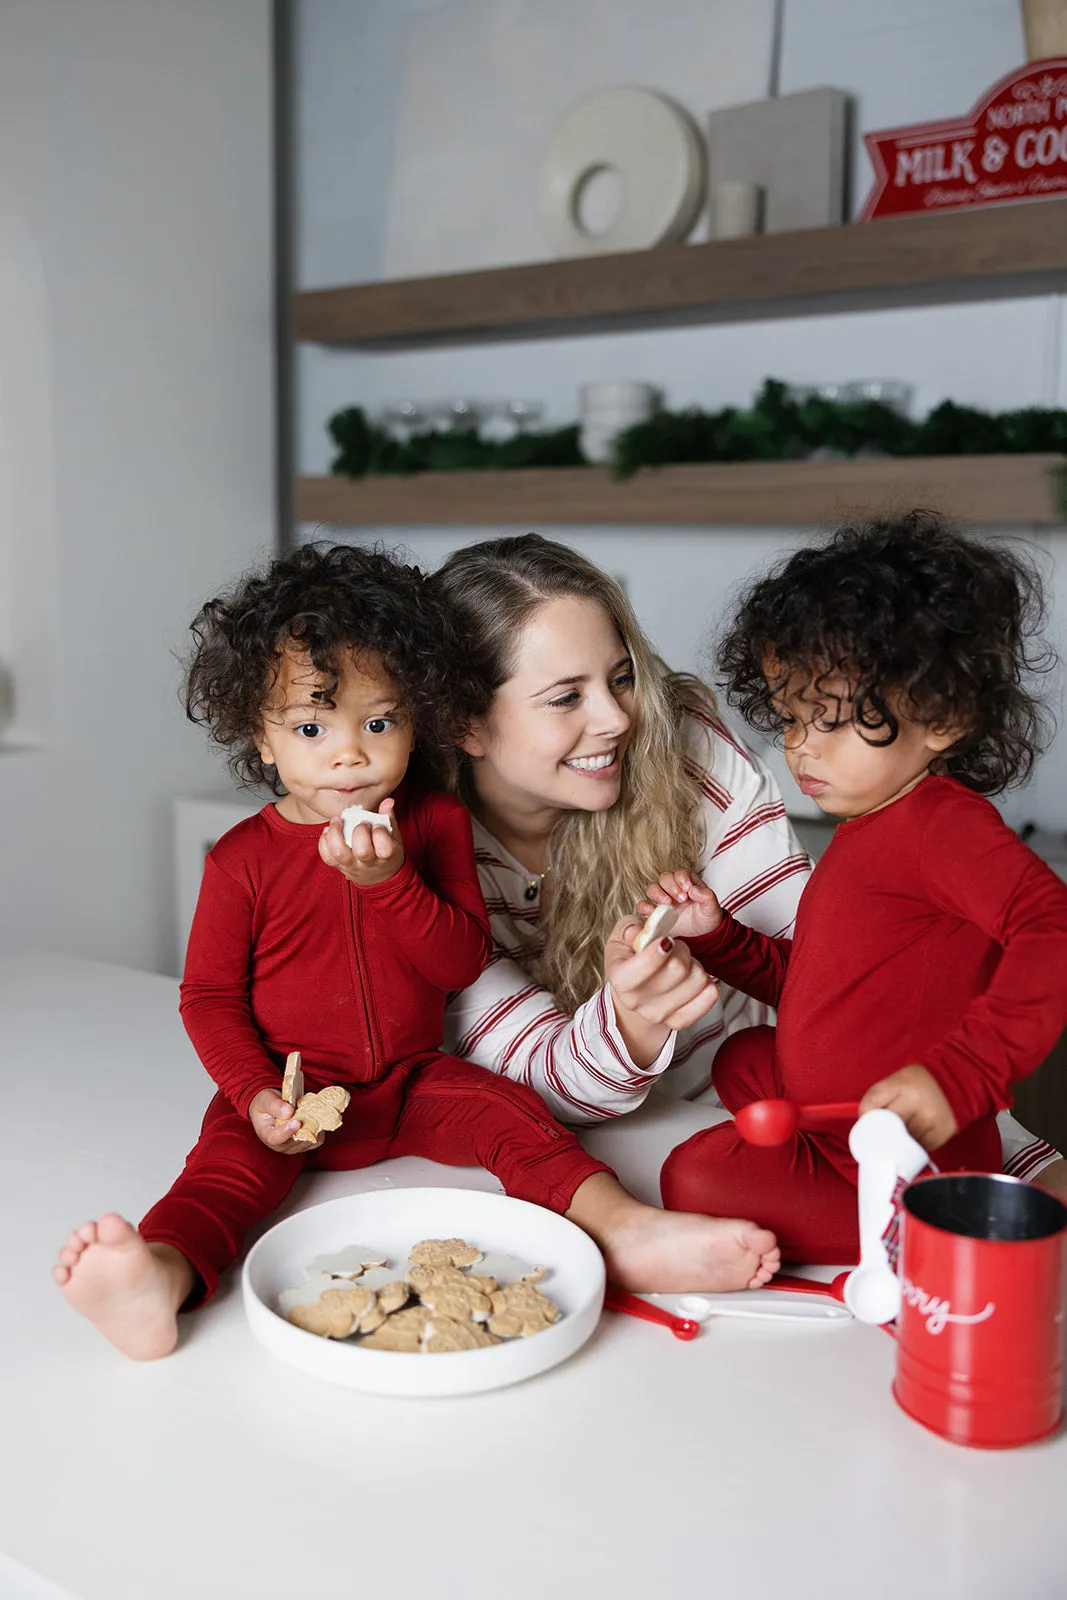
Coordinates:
[1002,490]
[978,253]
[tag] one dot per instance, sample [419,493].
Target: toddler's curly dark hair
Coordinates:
[908,607]
[326,599]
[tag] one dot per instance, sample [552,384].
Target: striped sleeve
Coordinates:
[752,858]
[578,1065]
[1024,1156]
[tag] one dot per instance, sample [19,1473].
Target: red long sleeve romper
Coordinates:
[286,954]
[927,933]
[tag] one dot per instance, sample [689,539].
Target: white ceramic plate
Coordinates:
[392,1221]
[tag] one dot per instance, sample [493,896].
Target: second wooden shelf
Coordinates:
[1002,490]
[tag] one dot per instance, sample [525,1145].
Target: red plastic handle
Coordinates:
[632,1305]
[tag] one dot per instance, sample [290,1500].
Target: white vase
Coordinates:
[608,409]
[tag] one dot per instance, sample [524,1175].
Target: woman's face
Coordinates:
[555,734]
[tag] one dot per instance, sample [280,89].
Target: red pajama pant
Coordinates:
[432,1105]
[797,1189]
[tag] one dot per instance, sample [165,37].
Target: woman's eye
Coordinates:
[624,681]
[566,700]
[378,724]
[310,730]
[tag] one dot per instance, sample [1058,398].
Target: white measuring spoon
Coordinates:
[746,1303]
[885,1151]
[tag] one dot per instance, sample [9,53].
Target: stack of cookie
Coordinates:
[437,1307]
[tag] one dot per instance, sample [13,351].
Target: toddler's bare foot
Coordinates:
[128,1288]
[678,1250]
[660,1252]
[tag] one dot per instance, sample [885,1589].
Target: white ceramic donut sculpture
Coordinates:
[658,154]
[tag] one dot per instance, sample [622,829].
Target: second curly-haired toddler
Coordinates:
[896,662]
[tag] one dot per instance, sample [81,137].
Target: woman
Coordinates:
[589,768]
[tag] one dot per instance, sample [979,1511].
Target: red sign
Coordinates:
[1012,146]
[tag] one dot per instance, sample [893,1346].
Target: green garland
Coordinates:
[776,428]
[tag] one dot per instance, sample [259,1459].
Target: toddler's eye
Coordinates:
[378,724]
[310,730]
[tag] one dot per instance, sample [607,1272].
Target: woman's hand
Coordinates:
[700,910]
[656,992]
[919,1101]
[375,854]
[274,1124]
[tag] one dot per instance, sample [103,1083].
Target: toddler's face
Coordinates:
[835,762]
[348,748]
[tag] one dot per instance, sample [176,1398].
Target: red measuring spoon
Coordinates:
[633,1306]
[769,1122]
[792,1285]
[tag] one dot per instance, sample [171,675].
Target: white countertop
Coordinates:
[762,1460]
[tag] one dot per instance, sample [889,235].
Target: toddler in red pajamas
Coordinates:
[318,676]
[928,968]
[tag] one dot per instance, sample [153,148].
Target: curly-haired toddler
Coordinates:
[928,969]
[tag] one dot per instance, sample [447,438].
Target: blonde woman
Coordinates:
[589,768]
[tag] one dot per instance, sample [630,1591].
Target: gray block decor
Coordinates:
[793,148]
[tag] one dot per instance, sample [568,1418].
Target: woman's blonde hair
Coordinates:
[601,860]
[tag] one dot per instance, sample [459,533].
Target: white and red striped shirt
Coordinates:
[579,1065]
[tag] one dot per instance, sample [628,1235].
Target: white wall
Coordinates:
[137,158]
[912,60]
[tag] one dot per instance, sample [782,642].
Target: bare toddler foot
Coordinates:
[663,1251]
[126,1287]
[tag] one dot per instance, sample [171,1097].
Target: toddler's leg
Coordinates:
[131,1283]
[464,1115]
[793,1189]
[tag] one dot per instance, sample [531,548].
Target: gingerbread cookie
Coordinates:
[352,816]
[336,1312]
[444,1253]
[402,1341]
[320,1112]
[460,1302]
[373,1318]
[393,1296]
[293,1079]
[445,1335]
[520,1308]
[657,925]
[351,1262]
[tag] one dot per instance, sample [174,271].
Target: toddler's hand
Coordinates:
[265,1113]
[918,1099]
[702,912]
[374,855]
[663,985]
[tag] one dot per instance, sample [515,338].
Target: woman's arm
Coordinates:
[578,1065]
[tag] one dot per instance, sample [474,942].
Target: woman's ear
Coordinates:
[475,742]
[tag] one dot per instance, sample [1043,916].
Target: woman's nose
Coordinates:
[608,715]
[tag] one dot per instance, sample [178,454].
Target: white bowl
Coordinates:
[392,1221]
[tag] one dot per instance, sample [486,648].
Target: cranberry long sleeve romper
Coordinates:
[286,954]
[927,933]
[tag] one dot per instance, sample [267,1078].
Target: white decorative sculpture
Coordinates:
[655,149]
